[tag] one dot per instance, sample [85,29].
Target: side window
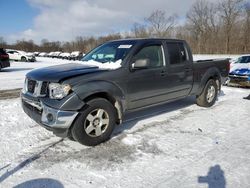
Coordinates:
[153,53]
[245,59]
[177,52]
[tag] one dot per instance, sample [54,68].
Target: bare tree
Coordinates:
[2,42]
[202,22]
[139,30]
[220,27]
[161,25]
[48,46]
[230,12]
[246,37]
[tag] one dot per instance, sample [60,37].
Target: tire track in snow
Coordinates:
[9,94]
[26,162]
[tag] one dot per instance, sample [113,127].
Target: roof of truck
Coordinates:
[146,39]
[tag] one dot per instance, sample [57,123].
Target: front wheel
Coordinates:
[209,94]
[95,124]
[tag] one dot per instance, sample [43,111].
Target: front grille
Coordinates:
[31,108]
[31,85]
[44,88]
[237,78]
[36,88]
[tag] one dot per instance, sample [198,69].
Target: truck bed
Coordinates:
[202,68]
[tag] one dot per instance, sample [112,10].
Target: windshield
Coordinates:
[111,52]
[243,59]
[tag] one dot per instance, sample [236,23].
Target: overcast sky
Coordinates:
[65,19]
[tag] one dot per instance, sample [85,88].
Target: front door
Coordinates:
[147,86]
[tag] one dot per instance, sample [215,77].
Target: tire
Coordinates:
[23,59]
[89,128]
[209,94]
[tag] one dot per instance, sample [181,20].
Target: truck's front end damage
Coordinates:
[56,115]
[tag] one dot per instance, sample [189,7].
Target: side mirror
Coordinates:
[141,64]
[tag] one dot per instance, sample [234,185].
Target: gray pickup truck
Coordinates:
[85,101]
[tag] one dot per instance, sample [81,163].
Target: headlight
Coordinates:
[58,91]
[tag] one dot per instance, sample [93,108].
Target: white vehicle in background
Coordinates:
[76,55]
[42,54]
[36,53]
[30,54]
[17,55]
[50,54]
[64,55]
[56,54]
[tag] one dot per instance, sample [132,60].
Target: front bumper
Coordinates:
[239,84]
[235,80]
[55,120]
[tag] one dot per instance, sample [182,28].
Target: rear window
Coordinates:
[177,52]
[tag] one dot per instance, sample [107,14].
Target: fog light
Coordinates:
[50,117]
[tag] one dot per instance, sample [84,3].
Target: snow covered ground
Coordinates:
[173,145]
[13,77]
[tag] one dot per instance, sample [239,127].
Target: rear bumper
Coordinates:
[54,120]
[4,64]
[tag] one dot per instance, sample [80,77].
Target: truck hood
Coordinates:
[241,69]
[62,72]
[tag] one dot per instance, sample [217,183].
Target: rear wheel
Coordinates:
[209,95]
[23,59]
[95,124]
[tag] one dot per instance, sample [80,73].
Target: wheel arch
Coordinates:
[212,73]
[24,57]
[105,95]
[106,90]
[115,102]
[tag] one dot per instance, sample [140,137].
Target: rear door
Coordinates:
[180,69]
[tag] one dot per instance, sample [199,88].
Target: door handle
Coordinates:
[188,69]
[163,73]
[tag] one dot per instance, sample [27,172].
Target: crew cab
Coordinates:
[84,101]
[4,59]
